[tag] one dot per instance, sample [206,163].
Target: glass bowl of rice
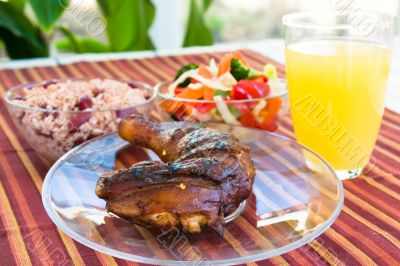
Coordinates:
[56,115]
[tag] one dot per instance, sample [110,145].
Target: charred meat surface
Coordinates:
[204,175]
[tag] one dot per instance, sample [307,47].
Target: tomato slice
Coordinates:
[261,78]
[270,125]
[247,117]
[178,90]
[205,107]
[248,89]
[248,120]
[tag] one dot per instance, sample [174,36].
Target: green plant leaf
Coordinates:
[71,38]
[206,4]
[47,12]
[81,45]
[128,23]
[20,37]
[197,32]
[18,4]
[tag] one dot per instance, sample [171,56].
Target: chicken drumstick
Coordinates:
[204,175]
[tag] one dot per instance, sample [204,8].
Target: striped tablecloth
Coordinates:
[367,231]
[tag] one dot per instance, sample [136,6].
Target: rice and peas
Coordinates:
[56,116]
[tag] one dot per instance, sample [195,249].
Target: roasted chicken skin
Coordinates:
[204,175]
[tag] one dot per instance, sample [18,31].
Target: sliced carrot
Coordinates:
[170,106]
[204,72]
[188,109]
[271,110]
[180,113]
[273,105]
[190,94]
[208,93]
[225,63]
[184,110]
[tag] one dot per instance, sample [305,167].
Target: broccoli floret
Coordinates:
[239,71]
[184,69]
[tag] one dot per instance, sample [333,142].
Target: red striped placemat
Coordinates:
[367,231]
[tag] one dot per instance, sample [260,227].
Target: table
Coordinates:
[367,231]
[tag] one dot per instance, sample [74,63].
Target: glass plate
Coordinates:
[290,204]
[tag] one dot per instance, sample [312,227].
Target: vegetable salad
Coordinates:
[229,91]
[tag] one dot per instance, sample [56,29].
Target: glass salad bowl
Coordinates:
[262,113]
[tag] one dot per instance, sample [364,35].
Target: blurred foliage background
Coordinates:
[41,28]
[28,27]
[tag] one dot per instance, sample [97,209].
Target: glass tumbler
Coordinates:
[337,66]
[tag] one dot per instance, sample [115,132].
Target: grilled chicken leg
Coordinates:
[204,175]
